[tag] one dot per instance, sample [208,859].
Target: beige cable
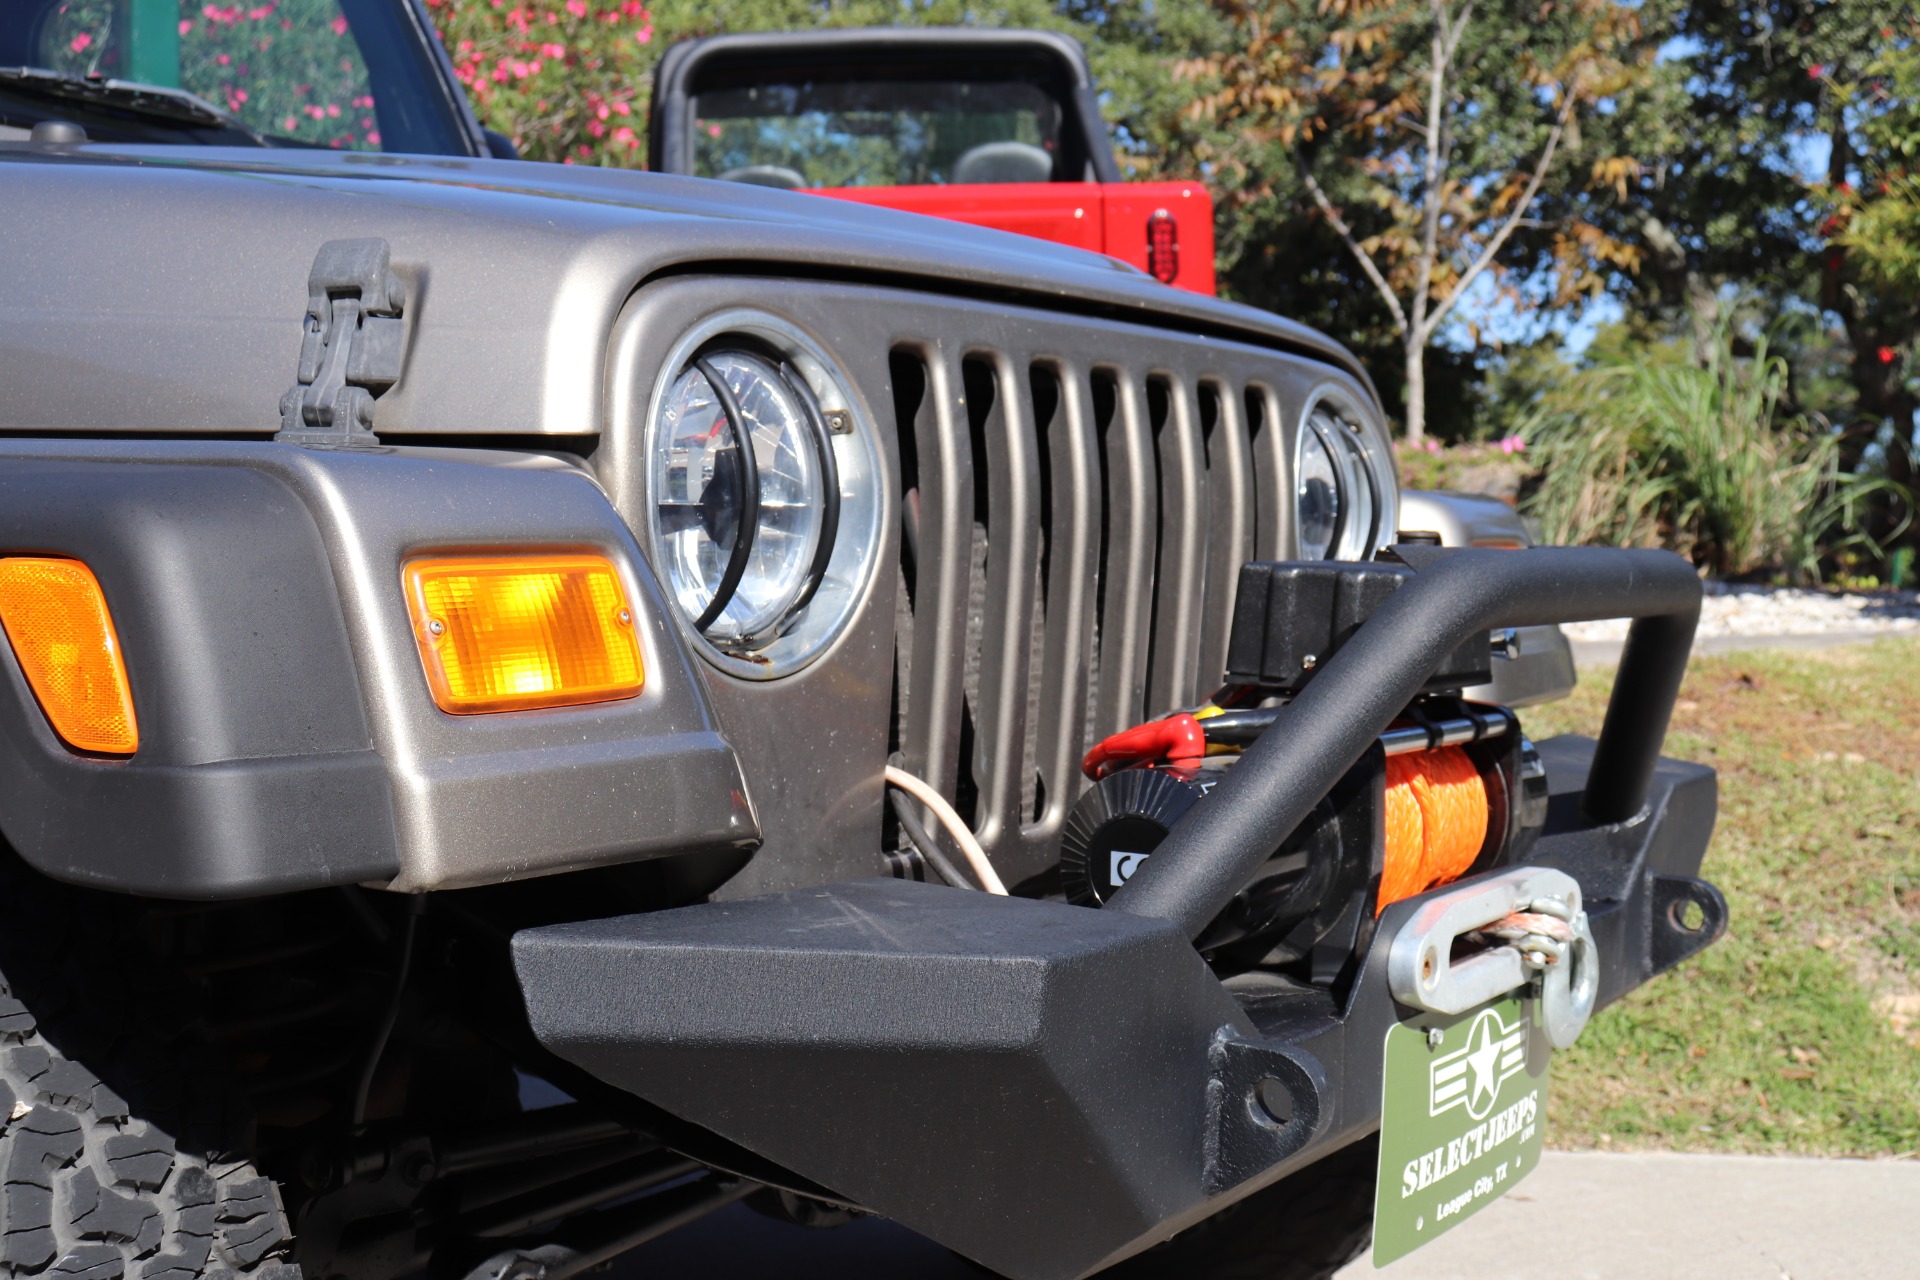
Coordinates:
[969,846]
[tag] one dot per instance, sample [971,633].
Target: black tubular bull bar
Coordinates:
[1324,731]
[1048,1088]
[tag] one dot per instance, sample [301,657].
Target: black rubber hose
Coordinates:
[1369,681]
[922,840]
[749,496]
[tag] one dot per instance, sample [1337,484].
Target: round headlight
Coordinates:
[1338,495]
[1317,490]
[745,495]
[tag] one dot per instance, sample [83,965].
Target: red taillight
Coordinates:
[1163,246]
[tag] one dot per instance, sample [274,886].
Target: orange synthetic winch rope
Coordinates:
[1436,821]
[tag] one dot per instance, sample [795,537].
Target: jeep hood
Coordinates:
[162,289]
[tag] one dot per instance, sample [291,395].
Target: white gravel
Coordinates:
[1742,610]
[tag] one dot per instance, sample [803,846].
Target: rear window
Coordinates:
[340,74]
[877,133]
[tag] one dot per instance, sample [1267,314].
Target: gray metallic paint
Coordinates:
[483,799]
[161,289]
[813,744]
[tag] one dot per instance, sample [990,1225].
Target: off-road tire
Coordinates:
[122,1139]
[1304,1227]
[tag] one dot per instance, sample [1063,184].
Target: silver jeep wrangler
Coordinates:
[885,717]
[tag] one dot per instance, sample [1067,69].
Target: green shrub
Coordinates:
[1698,459]
[566,80]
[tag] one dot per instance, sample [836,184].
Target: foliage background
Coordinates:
[1739,175]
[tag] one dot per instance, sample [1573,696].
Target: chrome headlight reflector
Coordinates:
[743,496]
[1317,486]
[767,550]
[1344,501]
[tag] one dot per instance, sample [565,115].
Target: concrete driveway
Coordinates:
[1669,1217]
[1579,1217]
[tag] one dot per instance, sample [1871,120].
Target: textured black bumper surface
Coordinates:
[1044,1088]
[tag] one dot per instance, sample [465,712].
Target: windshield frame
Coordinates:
[1049,59]
[400,48]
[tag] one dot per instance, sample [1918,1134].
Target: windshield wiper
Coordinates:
[156,101]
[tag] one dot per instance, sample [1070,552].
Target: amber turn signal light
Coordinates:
[515,632]
[57,621]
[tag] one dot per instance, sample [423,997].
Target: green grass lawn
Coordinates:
[1800,1030]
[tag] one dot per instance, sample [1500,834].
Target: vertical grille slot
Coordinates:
[1179,575]
[1006,582]
[1230,524]
[1271,475]
[1129,479]
[939,508]
[1071,519]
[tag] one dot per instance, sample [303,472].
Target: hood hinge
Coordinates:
[352,348]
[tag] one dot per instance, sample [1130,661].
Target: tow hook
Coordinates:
[1528,923]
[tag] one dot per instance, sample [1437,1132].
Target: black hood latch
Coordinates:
[352,347]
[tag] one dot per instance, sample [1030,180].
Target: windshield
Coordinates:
[877,133]
[344,74]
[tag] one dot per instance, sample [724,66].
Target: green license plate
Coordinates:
[1463,1115]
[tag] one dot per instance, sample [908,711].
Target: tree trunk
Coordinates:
[1416,425]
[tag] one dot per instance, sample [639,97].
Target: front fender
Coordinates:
[288,738]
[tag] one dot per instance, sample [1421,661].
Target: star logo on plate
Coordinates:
[1471,1075]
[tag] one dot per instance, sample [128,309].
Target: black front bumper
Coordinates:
[1043,1088]
[1048,1088]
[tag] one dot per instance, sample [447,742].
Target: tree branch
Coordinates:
[1513,219]
[1360,255]
[1430,173]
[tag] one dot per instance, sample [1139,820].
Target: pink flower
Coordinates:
[81,41]
[1431,446]
[1817,70]
[339,26]
[289,125]
[1513,444]
[623,134]
[596,129]
[261,12]
[223,59]
[186,25]
[623,108]
[373,137]
[333,110]
[713,131]
[578,8]
[645,34]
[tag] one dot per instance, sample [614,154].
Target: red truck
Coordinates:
[998,128]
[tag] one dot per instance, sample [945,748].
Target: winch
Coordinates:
[1452,788]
